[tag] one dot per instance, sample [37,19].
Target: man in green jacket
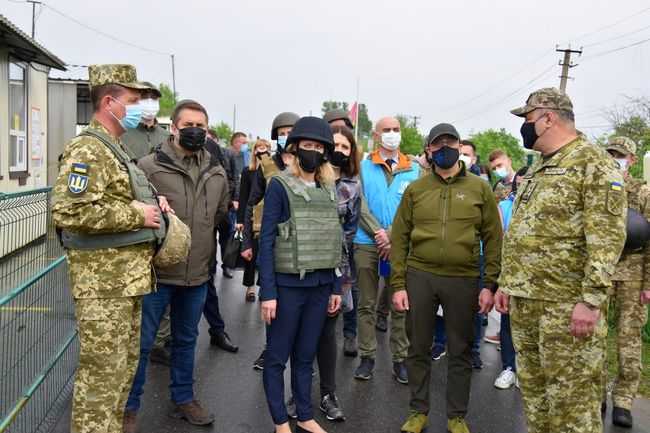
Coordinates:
[436,237]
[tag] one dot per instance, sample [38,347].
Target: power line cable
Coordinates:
[608,26]
[616,37]
[602,53]
[105,34]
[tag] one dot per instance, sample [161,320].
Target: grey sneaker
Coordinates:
[330,406]
[400,372]
[350,346]
[364,370]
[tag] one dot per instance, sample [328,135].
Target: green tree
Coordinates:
[412,140]
[365,124]
[167,100]
[224,132]
[329,105]
[489,140]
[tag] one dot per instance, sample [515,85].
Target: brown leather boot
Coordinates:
[130,422]
[192,412]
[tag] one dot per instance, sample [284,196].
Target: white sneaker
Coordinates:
[506,379]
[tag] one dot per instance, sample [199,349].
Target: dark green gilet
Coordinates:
[311,238]
[142,191]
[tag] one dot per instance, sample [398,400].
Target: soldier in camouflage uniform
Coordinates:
[93,196]
[565,237]
[629,294]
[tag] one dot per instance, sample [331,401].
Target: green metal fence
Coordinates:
[38,344]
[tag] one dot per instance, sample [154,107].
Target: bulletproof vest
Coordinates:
[142,191]
[312,236]
[269,169]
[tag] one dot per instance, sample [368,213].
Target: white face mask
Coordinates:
[466,159]
[150,108]
[622,162]
[502,172]
[391,140]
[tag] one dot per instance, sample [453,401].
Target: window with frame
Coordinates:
[17,116]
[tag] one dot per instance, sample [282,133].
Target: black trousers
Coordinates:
[326,357]
[251,267]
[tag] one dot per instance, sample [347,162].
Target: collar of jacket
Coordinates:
[459,174]
[349,179]
[277,158]
[559,154]
[163,156]
[403,162]
[146,128]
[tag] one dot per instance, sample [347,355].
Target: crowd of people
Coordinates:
[423,246]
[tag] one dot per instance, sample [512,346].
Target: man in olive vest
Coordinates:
[629,294]
[109,263]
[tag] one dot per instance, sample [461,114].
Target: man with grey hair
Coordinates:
[564,239]
[385,174]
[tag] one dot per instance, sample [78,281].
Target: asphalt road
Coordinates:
[227,384]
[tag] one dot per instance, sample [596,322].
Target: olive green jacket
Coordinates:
[439,225]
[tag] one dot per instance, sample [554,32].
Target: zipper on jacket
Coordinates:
[205,196]
[444,221]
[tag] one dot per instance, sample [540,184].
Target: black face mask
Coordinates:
[259,155]
[445,157]
[528,134]
[338,159]
[310,160]
[191,138]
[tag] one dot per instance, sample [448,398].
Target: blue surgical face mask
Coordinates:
[244,148]
[132,117]
[282,141]
[502,172]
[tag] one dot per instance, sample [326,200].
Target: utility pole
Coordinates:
[33,2]
[174,79]
[566,64]
[415,121]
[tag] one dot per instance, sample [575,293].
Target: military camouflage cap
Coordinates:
[548,97]
[151,87]
[622,144]
[176,246]
[124,75]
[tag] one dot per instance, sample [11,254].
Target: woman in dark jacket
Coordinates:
[259,148]
[299,258]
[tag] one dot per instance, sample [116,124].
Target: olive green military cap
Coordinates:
[121,74]
[152,88]
[622,144]
[549,97]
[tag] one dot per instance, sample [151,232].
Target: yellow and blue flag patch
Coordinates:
[616,186]
[78,181]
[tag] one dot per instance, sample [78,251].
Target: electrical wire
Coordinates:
[105,34]
[602,53]
[545,74]
[616,37]
[608,26]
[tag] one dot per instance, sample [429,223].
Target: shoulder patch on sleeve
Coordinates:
[78,179]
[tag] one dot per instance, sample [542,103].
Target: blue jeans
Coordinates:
[440,339]
[507,348]
[186,306]
[350,318]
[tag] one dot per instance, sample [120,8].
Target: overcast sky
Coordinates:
[465,62]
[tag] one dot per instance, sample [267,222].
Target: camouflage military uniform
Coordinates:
[93,195]
[631,275]
[502,190]
[566,234]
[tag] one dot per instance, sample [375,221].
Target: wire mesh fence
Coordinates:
[38,343]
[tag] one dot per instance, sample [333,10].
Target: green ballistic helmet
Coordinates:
[287,118]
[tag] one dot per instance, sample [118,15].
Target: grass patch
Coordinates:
[644,384]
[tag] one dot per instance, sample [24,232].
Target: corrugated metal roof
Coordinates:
[26,48]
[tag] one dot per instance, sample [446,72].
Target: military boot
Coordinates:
[415,423]
[192,412]
[457,425]
[130,422]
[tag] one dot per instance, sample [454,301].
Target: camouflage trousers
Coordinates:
[109,337]
[560,375]
[630,317]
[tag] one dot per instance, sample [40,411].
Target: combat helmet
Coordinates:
[176,245]
[287,118]
[338,114]
[313,128]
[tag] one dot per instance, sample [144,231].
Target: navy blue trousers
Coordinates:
[294,333]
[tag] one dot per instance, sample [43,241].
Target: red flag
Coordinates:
[354,113]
